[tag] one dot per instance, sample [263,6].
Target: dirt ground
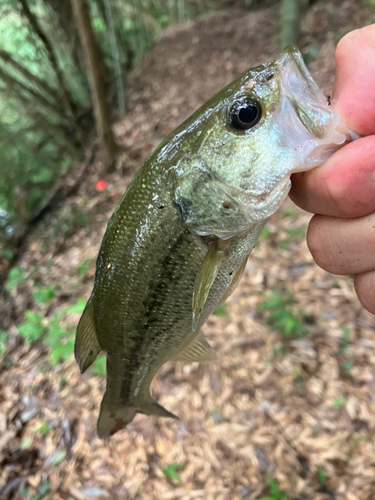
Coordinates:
[301,411]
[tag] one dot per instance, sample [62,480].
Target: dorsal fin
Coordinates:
[198,350]
[86,347]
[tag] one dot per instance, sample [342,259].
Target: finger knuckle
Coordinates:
[319,243]
[365,289]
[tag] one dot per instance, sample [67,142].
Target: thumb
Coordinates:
[354,90]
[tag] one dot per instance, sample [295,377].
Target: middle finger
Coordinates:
[343,246]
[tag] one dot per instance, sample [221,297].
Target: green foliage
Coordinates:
[275,492]
[33,328]
[58,457]
[339,401]
[43,428]
[53,331]
[43,295]
[26,443]
[3,342]
[321,474]
[42,492]
[46,112]
[222,311]
[265,232]
[171,473]
[347,366]
[283,316]
[15,277]
[99,366]
[345,341]
[310,55]
[83,268]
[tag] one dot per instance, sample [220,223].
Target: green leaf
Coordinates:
[43,490]
[275,490]
[15,277]
[339,401]
[8,254]
[83,268]
[78,307]
[222,311]
[43,295]
[296,232]
[61,352]
[3,342]
[170,472]
[43,428]
[33,328]
[99,366]
[347,366]
[321,473]
[26,443]
[58,457]
[43,175]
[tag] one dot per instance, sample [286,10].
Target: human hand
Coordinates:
[341,237]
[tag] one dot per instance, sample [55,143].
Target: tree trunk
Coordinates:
[63,14]
[95,71]
[290,21]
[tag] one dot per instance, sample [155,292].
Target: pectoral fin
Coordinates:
[235,281]
[198,350]
[86,348]
[205,280]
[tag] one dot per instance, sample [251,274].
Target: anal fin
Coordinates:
[205,279]
[197,350]
[86,347]
[159,410]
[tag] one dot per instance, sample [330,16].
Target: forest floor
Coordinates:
[299,410]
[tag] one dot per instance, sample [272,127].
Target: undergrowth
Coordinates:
[54,331]
[282,314]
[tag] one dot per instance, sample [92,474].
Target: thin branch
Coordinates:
[12,82]
[115,57]
[6,57]
[50,52]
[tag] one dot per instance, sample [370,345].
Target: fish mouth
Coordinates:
[314,129]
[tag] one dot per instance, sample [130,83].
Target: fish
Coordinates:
[177,244]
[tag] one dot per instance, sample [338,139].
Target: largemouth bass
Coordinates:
[177,244]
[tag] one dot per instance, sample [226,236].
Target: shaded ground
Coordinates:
[301,410]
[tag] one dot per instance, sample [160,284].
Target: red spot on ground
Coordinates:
[101,185]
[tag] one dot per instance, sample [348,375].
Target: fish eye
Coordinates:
[245,114]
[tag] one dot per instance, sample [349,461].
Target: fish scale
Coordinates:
[176,246]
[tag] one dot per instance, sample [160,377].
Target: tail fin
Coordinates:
[114,417]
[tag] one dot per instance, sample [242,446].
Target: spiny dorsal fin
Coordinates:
[205,279]
[198,350]
[86,348]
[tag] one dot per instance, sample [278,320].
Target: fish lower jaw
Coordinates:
[262,207]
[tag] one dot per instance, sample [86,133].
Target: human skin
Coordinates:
[341,236]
